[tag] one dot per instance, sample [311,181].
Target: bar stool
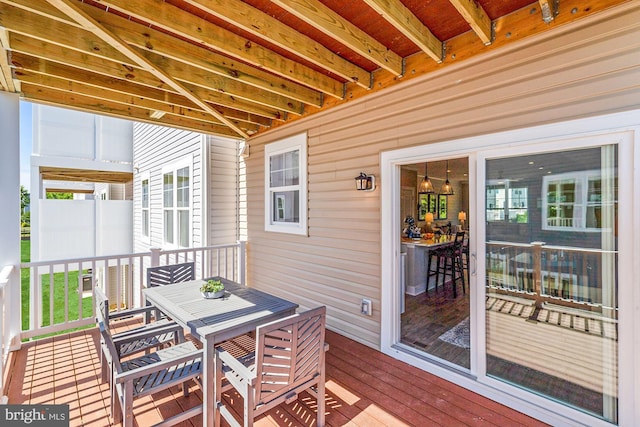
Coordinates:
[435,266]
[453,262]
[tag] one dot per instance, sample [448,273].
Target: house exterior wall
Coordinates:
[214,178]
[223,200]
[587,68]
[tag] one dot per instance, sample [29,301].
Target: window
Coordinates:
[144,189]
[573,201]
[176,196]
[506,202]
[286,185]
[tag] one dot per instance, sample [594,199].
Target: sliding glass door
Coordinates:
[551,283]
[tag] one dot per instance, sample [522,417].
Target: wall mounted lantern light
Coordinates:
[426,187]
[446,188]
[365,182]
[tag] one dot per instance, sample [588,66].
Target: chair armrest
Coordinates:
[233,364]
[160,365]
[130,312]
[129,337]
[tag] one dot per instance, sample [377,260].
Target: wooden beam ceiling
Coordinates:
[239,67]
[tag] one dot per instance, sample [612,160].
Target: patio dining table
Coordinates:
[213,321]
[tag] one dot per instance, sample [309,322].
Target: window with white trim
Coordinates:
[574,201]
[286,185]
[144,191]
[176,205]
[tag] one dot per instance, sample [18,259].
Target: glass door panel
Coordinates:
[435,307]
[551,281]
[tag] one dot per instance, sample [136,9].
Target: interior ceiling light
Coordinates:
[447,189]
[426,187]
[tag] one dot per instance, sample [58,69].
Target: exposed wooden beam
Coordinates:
[6,80]
[100,83]
[54,53]
[198,56]
[82,175]
[116,97]
[332,24]
[186,73]
[256,22]
[90,24]
[172,19]
[84,103]
[408,24]
[477,18]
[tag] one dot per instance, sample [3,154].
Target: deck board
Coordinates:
[364,388]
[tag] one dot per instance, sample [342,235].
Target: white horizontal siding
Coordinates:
[155,147]
[587,68]
[223,194]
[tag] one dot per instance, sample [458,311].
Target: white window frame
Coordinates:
[144,176]
[292,143]
[173,169]
[580,204]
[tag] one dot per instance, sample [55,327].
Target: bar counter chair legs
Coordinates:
[289,357]
[435,268]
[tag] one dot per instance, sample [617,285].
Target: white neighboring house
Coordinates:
[90,156]
[185,188]
[78,152]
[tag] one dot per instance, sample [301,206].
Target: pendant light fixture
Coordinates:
[447,189]
[426,187]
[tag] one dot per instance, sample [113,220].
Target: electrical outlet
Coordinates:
[365,307]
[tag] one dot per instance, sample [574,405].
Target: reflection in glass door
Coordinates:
[551,282]
[436,294]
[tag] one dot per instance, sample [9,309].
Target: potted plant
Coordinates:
[212,288]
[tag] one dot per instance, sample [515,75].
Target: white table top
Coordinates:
[238,312]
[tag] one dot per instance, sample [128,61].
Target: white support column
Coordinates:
[10,208]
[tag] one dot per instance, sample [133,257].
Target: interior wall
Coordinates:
[587,68]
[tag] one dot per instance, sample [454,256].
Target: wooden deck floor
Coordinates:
[364,388]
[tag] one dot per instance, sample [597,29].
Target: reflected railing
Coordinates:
[564,276]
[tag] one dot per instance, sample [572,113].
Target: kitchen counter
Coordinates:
[417,252]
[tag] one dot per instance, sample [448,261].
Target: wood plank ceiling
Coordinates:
[236,68]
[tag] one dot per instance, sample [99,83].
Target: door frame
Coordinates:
[626,126]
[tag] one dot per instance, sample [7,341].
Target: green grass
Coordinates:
[58,294]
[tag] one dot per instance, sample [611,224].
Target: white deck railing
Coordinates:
[61,292]
[5,338]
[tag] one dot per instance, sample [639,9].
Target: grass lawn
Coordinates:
[60,306]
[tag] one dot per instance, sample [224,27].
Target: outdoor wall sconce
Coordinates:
[365,182]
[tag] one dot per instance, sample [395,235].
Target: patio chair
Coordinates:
[135,340]
[289,358]
[169,274]
[149,374]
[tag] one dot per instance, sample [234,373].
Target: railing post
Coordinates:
[537,277]
[155,257]
[242,260]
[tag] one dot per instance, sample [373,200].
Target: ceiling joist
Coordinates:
[408,24]
[90,24]
[477,18]
[332,24]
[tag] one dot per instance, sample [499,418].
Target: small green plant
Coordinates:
[213,285]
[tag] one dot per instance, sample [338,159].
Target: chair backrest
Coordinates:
[102,307]
[107,341]
[168,274]
[289,354]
